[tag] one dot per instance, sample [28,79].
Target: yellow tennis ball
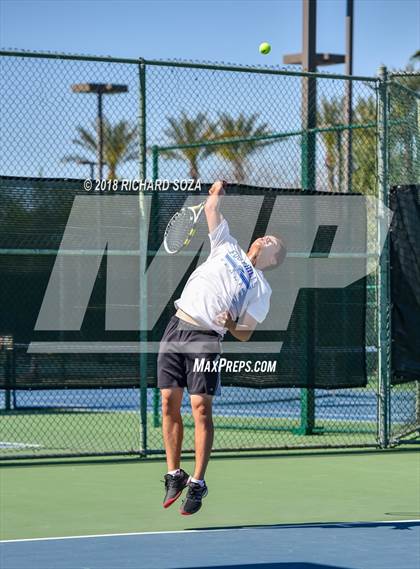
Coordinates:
[265,48]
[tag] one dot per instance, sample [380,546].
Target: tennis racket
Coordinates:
[182,227]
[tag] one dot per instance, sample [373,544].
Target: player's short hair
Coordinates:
[281,253]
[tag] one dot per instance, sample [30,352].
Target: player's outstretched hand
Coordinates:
[218,188]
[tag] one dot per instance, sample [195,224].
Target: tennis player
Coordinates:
[226,292]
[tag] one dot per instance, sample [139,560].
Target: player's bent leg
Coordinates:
[204,432]
[172,429]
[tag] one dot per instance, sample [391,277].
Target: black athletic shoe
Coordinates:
[174,485]
[192,502]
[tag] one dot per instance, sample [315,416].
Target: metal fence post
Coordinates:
[155,199]
[143,243]
[308,178]
[384,338]
[8,379]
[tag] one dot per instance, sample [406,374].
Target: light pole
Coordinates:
[87,163]
[310,60]
[99,89]
[348,108]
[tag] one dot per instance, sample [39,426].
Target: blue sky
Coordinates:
[386,31]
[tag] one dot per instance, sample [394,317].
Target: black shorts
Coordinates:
[184,346]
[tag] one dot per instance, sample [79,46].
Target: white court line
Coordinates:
[5,444]
[296,525]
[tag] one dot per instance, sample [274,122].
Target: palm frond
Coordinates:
[120,143]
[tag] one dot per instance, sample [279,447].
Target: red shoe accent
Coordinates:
[185,513]
[172,500]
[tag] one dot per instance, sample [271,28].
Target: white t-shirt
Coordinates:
[225,281]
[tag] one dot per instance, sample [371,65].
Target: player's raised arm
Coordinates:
[212,207]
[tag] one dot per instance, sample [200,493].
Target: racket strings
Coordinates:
[179,231]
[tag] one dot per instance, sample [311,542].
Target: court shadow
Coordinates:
[398,525]
[59,460]
[286,565]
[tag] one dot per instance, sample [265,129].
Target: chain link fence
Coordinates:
[404,169]
[69,118]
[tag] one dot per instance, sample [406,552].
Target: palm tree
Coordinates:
[331,114]
[120,145]
[404,162]
[364,147]
[415,57]
[187,130]
[237,153]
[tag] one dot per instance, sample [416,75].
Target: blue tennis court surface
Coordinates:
[373,545]
[234,402]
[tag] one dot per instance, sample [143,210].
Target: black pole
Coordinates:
[309,108]
[309,35]
[348,106]
[309,94]
[100,133]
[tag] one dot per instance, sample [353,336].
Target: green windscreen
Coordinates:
[323,345]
